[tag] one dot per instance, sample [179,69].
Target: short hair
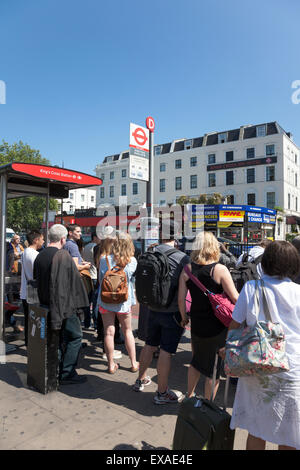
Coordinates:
[296,243]
[57,232]
[93,234]
[72,227]
[205,248]
[281,259]
[33,235]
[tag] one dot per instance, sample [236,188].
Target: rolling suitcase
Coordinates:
[202,425]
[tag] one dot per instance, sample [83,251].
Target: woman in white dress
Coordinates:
[269,407]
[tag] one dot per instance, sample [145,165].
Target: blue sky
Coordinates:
[77,73]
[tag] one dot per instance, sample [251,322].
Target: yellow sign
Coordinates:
[224,224]
[231,216]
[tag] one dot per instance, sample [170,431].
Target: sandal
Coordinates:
[135,369]
[114,370]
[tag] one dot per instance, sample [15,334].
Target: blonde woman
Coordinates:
[208,334]
[122,252]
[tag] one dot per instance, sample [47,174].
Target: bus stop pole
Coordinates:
[3,190]
[47,215]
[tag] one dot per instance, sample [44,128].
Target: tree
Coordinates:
[24,213]
[215,198]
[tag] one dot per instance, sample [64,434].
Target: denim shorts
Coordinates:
[164,330]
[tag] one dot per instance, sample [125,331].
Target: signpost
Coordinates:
[139,153]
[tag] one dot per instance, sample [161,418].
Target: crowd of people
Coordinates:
[72,279]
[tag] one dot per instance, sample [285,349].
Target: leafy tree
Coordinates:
[24,213]
[215,198]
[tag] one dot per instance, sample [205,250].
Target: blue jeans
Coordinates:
[70,345]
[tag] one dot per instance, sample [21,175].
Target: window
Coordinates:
[162,167]
[162,186]
[296,159]
[157,150]
[261,131]
[193,161]
[230,199]
[102,193]
[193,181]
[211,158]
[270,173]
[162,203]
[188,144]
[71,195]
[211,179]
[92,198]
[82,207]
[178,183]
[250,175]
[270,149]
[222,138]
[111,191]
[289,201]
[251,152]
[82,197]
[177,164]
[270,200]
[111,175]
[251,199]
[229,177]
[123,190]
[296,179]
[135,188]
[102,176]
[71,208]
[229,156]
[124,173]
[296,204]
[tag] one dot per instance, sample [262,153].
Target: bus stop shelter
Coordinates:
[19,179]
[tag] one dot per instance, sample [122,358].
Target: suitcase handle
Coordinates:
[214,383]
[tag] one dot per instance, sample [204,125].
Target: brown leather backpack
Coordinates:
[114,287]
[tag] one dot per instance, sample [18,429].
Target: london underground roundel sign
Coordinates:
[150,123]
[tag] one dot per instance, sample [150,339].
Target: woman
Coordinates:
[207,332]
[269,407]
[122,255]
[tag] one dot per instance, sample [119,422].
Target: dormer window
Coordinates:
[157,149]
[222,138]
[261,131]
[188,144]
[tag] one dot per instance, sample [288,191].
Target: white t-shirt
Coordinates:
[27,260]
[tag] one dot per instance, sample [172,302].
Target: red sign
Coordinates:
[150,123]
[139,136]
[56,174]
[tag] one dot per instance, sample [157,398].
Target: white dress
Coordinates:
[269,407]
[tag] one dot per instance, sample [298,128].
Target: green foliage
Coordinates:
[24,213]
[290,236]
[215,198]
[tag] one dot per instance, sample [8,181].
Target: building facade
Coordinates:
[255,165]
[83,198]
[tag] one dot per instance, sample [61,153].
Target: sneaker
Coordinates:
[140,384]
[117,355]
[75,379]
[168,397]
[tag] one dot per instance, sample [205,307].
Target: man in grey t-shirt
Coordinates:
[165,327]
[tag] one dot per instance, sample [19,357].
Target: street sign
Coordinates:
[139,152]
[139,137]
[150,123]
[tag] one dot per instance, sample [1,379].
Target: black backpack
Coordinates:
[152,279]
[245,271]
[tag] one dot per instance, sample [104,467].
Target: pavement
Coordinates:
[102,414]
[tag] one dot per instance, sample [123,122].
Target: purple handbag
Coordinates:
[221,304]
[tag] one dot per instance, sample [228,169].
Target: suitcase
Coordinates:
[202,425]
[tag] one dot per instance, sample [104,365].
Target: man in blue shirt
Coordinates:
[74,234]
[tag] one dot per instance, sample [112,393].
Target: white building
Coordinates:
[253,165]
[82,198]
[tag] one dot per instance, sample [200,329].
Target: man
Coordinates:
[35,241]
[88,255]
[165,325]
[61,290]
[74,234]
